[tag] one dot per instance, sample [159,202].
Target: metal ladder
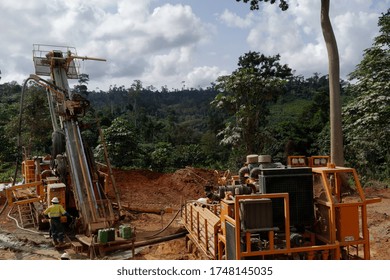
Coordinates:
[26,215]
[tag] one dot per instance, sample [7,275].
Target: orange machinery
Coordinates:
[295,213]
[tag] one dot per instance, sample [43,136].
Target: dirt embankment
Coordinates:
[378,216]
[158,197]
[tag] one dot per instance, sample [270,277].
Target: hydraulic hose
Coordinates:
[162,230]
[17,224]
[20,130]
[39,81]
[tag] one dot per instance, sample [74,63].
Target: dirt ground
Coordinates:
[153,201]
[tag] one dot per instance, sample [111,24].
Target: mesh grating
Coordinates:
[298,183]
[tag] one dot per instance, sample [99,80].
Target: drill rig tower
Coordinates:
[71,160]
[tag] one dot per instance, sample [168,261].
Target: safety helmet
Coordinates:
[55,200]
[65,256]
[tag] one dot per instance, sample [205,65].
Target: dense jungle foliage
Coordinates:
[260,108]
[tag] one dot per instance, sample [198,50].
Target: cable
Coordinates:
[162,230]
[17,224]
[20,129]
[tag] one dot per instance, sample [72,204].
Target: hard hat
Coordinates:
[65,256]
[55,200]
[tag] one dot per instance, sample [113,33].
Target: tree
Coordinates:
[283,5]
[122,142]
[367,116]
[246,94]
[36,126]
[161,157]
[336,133]
[337,153]
[82,87]
[299,118]
[134,91]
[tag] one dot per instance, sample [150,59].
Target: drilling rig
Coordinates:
[70,172]
[307,209]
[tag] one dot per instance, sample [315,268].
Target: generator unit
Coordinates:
[309,209]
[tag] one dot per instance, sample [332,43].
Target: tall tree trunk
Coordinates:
[336,133]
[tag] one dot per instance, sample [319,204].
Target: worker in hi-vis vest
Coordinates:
[54,212]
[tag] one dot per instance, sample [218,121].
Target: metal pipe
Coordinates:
[147,242]
[88,58]
[86,172]
[75,176]
[52,111]
[242,173]
[254,174]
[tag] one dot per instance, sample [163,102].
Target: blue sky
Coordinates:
[178,43]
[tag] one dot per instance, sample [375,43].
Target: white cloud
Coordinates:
[201,76]
[171,63]
[233,20]
[297,36]
[162,43]
[162,40]
[134,36]
[350,29]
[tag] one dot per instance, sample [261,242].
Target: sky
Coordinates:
[180,43]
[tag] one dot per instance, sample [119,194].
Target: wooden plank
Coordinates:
[26,201]
[84,239]
[77,246]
